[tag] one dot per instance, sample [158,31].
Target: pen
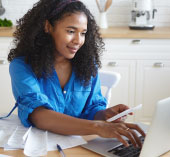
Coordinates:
[60,150]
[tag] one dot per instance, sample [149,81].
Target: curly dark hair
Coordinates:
[37,46]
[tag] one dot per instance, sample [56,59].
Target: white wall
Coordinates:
[118,14]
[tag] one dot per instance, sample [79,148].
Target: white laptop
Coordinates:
[156,143]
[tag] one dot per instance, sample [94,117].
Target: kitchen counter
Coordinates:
[125,32]
[6,32]
[117,32]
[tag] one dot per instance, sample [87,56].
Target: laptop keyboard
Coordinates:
[129,151]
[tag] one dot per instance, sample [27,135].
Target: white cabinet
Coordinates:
[152,84]
[145,69]
[6,97]
[127,69]
[123,93]
[5,45]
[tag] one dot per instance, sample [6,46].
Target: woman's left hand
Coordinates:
[112,111]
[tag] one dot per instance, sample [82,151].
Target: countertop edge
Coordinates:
[116,32]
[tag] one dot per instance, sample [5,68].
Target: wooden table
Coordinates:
[71,152]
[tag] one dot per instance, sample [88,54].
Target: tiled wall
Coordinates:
[117,15]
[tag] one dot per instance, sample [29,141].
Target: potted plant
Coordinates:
[5,23]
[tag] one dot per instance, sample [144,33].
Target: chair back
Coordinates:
[109,80]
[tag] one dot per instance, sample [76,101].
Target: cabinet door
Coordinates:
[152,84]
[6,98]
[123,93]
[5,45]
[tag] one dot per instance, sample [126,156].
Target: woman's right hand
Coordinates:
[116,130]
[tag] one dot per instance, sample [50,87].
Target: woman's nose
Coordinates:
[78,39]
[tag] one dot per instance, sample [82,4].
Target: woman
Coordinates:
[54,73]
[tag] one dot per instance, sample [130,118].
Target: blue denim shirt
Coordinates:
[75,100]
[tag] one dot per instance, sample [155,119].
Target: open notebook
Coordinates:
[155,144]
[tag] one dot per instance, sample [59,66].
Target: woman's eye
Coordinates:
[84,33]
[71,32]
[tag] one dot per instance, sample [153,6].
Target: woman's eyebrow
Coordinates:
[73,27]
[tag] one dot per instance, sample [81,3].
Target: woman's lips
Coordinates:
[72,49]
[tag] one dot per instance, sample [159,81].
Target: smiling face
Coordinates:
[69,34]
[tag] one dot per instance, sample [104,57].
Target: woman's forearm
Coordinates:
[63,124]
[60,123]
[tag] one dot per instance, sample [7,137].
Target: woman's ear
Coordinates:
[47,27]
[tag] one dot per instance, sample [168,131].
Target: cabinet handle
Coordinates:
[158,65]
[2,61]
[136,41]
[112,64]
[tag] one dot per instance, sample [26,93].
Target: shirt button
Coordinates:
[64,92]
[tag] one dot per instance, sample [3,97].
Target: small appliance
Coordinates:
[142,15]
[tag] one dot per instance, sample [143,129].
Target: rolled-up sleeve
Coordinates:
[26,90]
[95,101]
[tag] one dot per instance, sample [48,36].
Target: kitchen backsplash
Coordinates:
[117,15]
